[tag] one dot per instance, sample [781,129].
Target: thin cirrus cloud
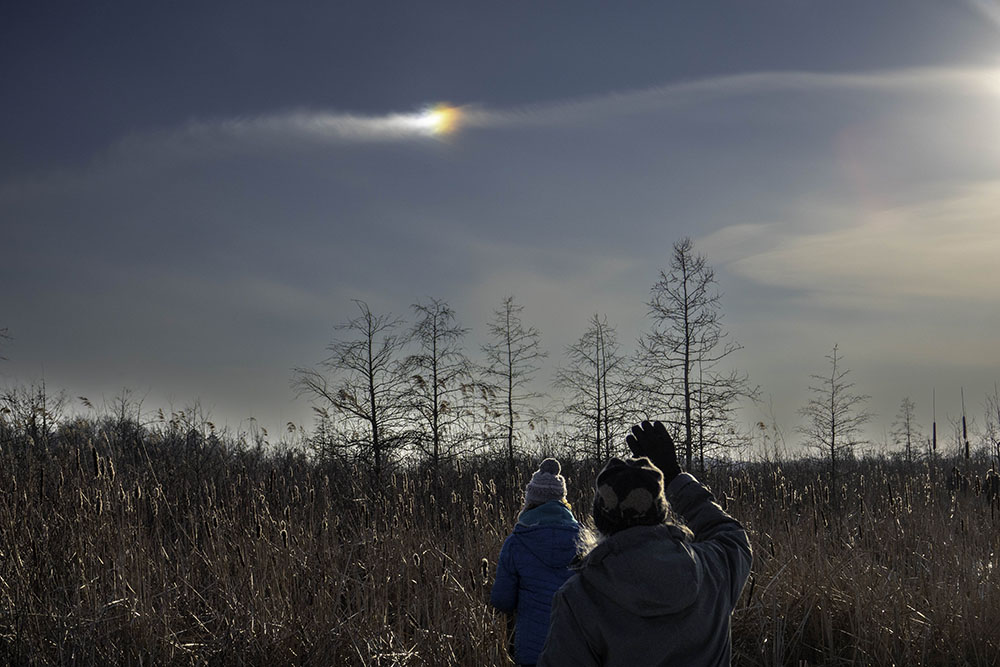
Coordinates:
[335,127]
[989,9]
[302,128]
[941,248]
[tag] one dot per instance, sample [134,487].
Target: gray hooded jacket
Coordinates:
[645,596]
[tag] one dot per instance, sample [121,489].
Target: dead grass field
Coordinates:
[157,551]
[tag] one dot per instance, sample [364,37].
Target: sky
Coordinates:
[193,193]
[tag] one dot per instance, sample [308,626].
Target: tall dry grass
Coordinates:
[151,549]
[905,574]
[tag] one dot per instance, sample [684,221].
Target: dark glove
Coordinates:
[653,442]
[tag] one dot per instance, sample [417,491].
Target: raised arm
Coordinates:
[716,534]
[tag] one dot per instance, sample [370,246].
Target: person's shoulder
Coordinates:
[570,588]
[575,593]
[512,541]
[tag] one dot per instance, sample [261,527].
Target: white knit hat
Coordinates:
[546,484]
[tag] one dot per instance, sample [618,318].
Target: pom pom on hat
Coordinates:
[550,466]
[546,484]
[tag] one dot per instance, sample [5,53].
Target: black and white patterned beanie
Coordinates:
[628,493]
[545,485]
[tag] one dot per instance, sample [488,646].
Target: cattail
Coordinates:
[484,565]
[96,461]
[137,491]
[284,538]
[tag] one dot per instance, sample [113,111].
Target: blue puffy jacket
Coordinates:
[534,562]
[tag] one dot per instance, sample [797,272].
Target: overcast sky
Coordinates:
[192,193]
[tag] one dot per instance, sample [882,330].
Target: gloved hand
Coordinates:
[653,442]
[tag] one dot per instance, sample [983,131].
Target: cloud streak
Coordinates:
[972,81]
[308,130]
[945,248]
[989,9]
[337,127]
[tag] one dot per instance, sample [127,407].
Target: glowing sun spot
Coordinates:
[442,119]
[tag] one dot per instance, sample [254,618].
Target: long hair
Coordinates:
[590,537]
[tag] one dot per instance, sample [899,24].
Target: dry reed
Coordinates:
[246,558]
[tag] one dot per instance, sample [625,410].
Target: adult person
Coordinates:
[534,560]
[651,592]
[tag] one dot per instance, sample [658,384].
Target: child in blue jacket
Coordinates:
[534,560]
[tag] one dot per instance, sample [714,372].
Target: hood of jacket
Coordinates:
[549,532]
[649,570]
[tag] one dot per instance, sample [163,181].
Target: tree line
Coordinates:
[392,391]
[388,388]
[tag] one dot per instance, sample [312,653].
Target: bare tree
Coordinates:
[367,387]
[682,354]
[33,411]
[441,383]
[905,431]
[834,416]
[512,359]
[596,379]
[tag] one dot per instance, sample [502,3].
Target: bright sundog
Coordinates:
[534,560]
[651,593]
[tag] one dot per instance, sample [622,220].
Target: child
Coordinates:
[534,561]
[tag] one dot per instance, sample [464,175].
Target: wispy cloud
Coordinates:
[970,80]
[303,130]
[990,9]
[944,248]
[340,127]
